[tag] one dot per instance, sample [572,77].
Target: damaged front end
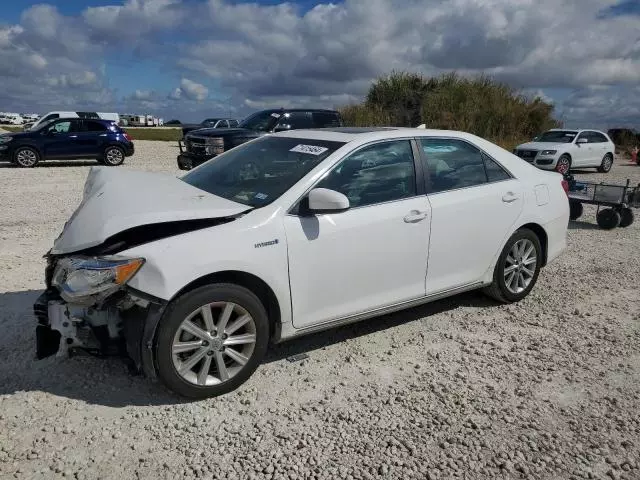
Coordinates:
[88,308]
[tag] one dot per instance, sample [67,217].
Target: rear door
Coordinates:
[92,138]
[474,205]
[600,145]
[61,139]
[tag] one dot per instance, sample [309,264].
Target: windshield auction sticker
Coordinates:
[310,149]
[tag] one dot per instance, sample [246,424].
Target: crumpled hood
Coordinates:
[541,146]
[116,200]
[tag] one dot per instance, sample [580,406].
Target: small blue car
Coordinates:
[66,139]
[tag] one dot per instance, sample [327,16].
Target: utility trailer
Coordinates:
[615,202]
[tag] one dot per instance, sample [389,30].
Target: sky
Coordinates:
[191,59]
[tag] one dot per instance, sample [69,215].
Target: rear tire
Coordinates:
[517,269]
[113,156]
[607,163]
[575,210]
[626,217]
[608,219]
[222,367]
[26,157]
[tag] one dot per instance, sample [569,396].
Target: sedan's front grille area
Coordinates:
[527,155]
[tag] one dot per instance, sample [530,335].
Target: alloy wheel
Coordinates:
[563,165]
[520,266]
[26,158]
[114,156]
[213,343]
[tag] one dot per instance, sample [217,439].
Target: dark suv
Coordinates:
[200,145]
[68,138]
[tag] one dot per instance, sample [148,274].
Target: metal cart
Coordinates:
[617,200]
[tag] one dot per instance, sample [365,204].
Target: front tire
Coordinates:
[607,163]
[113,156]
[211,340]
[563,165]
[26,157]
[517,269]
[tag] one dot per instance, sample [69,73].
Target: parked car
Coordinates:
[53,115]
[199,146]
[564,149]
[68,138]
[289,234]
[210,123]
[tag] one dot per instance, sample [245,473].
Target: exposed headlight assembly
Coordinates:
[548,152]
[82,279]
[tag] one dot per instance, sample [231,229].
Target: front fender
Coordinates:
[175,262]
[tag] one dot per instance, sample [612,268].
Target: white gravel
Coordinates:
[462,388]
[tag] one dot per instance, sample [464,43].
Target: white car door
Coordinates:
[474,205]
[583,154]
[370,256]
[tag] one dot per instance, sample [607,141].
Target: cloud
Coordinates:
[191,90]
[242,56]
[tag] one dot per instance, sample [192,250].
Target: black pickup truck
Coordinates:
[200,145]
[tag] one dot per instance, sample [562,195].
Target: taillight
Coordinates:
[127,136]
[565,186]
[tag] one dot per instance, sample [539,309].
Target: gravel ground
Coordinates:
[462,388]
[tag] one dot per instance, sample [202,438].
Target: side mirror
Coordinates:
[323,200]
[582,140]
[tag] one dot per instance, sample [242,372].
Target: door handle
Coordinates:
[509,197]
[103,134]
[73,136]
[415,216]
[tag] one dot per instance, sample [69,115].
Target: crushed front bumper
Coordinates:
[59,332]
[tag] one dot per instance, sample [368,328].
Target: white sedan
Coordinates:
[192,278]
[562,149]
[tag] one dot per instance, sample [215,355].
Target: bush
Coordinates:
[478,105]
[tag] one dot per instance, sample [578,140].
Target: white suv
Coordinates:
[562,150]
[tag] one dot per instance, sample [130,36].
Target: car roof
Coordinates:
[575,130]
[289,110]
[370,134]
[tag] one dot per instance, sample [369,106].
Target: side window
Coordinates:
[90,126]
[453,164]
[296,120]
[495,172]
[233,123]
[223,124]
[51,116]
[597,138]
[383,172]
[325,120]
[584,135]
[61,127]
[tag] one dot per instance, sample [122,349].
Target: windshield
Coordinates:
[261,121]
[557,136]
[257,172]
[210,121]
[44,124]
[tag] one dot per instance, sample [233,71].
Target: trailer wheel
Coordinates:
[626,217]
[608,219]
[575,210]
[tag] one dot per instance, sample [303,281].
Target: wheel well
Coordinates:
[542,236]
[255,284]
[566,154]
[32,147]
